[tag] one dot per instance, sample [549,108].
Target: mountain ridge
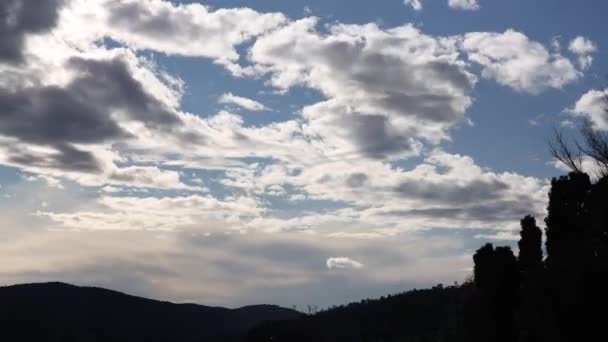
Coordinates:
[66,312]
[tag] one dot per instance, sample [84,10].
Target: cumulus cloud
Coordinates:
[514,60]
[592,105]
[342,263]
[186,29]
[470,5]
[581,45]
[243,102]
[375,199]
[50,125]
[583,48]
[403,84]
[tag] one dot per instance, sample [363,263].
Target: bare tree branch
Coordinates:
[595,147]
[562,151]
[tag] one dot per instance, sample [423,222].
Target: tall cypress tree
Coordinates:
[567,218]
[530,244]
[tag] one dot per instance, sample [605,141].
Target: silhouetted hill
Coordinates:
[435,314]
[63,312]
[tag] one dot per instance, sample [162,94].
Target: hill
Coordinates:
[436,314]
[63,312]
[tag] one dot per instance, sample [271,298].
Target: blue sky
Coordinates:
[288,152]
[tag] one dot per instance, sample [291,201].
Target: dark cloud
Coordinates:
[506,210]
[431,107]
[375,136]
[52,115]
[21,17]
[409,89]
[140,19]
[80,113]
[473,192]
[111,85]
[65,157]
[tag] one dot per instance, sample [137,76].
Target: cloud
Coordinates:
[186,29]
[272,269]
[500,236]
[148,177]
[581,45]
[537,120]
[583,48]
[589,165]
[592,105]
[47,122]
[416,4]
[18,19]
[342,263]
[470,5]
[513,60]
[403,84]
[161,214]
[243,102]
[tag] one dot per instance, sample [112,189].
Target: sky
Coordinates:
[302,152]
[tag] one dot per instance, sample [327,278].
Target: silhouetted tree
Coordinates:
[530,244]
[497,278]
[597,204]
[484,266]
[567,218]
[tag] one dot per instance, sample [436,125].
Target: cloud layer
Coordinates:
[95,128]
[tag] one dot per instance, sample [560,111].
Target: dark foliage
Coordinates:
[530,244]
[497,282]
[435,314]
[567,219]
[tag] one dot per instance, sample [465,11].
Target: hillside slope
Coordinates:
[63,312]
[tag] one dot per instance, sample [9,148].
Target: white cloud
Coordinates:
[183,29]
[583,48]
[243,102]
[163,214]
[416,4]
[470,5]
[512,59]
[592,105]
[342,263]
